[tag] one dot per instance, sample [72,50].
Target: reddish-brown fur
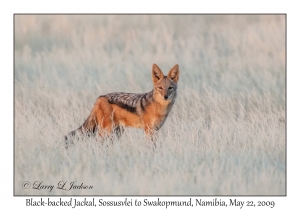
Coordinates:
[109,115]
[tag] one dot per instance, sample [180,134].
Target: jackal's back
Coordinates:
[133,102]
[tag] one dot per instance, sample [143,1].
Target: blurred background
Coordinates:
[215,49]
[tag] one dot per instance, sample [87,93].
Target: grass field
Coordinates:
[225,134]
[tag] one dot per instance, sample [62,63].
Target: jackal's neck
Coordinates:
[149,96]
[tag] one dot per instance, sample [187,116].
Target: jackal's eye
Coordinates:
[160,87]
[170,88]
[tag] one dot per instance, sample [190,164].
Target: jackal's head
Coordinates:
[165,86]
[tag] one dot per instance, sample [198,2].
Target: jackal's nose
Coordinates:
[166,97]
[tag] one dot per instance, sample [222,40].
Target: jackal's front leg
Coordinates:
[151,133]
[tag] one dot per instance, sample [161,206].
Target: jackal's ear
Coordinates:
[174,73]
[156,74]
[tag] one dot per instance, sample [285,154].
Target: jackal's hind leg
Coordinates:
[119,130]
[105,128]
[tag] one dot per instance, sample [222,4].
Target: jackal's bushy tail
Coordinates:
[88,127]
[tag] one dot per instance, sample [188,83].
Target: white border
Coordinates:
[154,6]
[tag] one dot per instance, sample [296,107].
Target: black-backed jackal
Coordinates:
[148,111]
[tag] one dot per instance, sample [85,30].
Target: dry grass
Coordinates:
[224,136]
